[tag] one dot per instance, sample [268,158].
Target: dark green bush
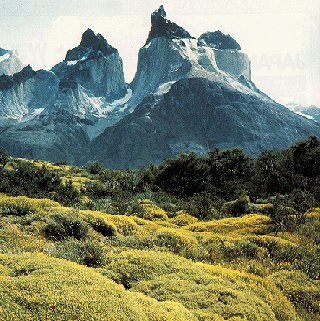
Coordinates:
[95,168]
[100,226]
[86,252]
[29,180]
[16,210]
[62,226]
[67,194]
[236,208]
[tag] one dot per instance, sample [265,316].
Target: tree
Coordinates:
[4,158]
[184,176]
[230,171]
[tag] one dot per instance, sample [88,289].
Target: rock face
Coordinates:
[25,92]
[10,63]
[162,27]
[310,112]
[171,54]
[54,136]
[197,115]
[95,66]
[219,40]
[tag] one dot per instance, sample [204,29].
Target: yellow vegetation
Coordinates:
[37,287]
[210,292]
[252,224]
[154,213]
[149,256]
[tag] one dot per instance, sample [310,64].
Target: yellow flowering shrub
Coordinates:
[252,224]
[124,225]
[77,181]
[14,240]
[37,287]
[210,292]
[313,213]
[176,241]
[183,219]
[21,205]
[153,212]
[299,288]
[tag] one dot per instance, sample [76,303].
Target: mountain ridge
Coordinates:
[84,101]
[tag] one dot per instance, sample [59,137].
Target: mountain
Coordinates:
[10,63]
[193,95]
[173,54]
[310,112]
[53,114]
[26,92]
[197,115]
[187,95]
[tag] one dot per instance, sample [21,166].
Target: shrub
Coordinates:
[236,208]
[152,212]
[3,158]
[62,226]
[183,219]
[211,292]
[30,180]
[86,252]
[243,248]
[299,288]
[202,206]
[101,226]
[16,209]
[22,206]
[177,242]
[60,290]
[311,230]
[95,168]
[67,194]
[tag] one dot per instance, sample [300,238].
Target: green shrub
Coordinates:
[86,252]
[15,209]
[243,248]
[67,194]
[100,226]
[95,168]
[62,226]
[236,208]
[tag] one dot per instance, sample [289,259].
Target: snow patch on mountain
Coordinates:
[164,88]
[304,115]
[4,57]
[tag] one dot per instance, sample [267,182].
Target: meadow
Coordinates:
[96,244]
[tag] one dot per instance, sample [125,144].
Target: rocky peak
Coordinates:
[162,27]
[10,63]
[4,52]
[91,46]
[160,12]
[219,40]
[6,82]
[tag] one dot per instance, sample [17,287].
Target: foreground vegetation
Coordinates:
[196,238]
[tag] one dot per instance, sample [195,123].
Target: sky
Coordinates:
[282,38]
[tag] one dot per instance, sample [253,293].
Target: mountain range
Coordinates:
[188,95]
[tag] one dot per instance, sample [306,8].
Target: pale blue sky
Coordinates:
[282,38]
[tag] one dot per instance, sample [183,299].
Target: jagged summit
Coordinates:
[219,40]
[162,27]
[10,62]
[160,12]
[4,52]
[6,82]
[90,46]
